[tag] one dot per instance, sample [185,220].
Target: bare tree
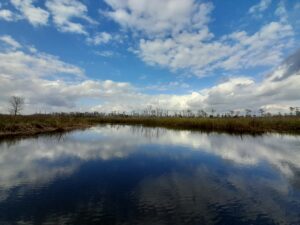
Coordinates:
[262,112]
[16,105]
[248,112]
[231,113]
[213,112]
[292,110]
[204,114]
[297,111]
[148,110]
[189,113]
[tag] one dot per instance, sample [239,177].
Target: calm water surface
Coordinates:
[135,175]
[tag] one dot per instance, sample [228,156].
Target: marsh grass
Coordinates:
[33,124]
[232,125]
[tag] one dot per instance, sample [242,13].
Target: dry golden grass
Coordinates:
[23,125]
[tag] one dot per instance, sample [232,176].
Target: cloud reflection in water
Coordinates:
[166,175]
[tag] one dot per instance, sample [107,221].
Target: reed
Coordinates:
[32,124]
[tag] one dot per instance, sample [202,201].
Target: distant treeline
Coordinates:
[159,112]
[17,104]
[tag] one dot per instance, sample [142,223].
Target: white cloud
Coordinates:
[275,93]
[64,12]
[7,15]
[35,15]
[174,85]
[196,53]
[12,43]
[159,17]
[100,38]
[22,64]
[257,9]
[264,47]
[51,84]
[106,53]
[175,34]
[281,12]
[48,82]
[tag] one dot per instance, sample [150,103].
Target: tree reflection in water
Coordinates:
[138,175]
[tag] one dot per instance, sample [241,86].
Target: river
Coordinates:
[137,175]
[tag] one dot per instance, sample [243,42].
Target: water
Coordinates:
[135,175]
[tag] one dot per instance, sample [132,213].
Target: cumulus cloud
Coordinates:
[54,85]
[35,15]
[12,43]
[257,9]
[275,93]
[159,17]
[7,15]
[100,38]
[48,82]
[64,12]
[168,86]
[106,53]
[22,64]
[238,50]
[175,34]
[281,12]
[67,15]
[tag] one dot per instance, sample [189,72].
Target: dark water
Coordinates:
[133,175]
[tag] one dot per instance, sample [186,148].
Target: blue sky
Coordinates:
[72,55]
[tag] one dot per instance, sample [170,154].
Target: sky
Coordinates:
[126,55]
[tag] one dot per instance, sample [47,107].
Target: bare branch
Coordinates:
[16,105]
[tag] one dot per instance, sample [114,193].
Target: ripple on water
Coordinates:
[125,175]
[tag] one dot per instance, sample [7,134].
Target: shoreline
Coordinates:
[31,125]
[37,131]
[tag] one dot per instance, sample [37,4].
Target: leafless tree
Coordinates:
[248,112]
[16,105]
[261,111]
[297,111]
[213,112]
[203,113]
[148,110]
[292,110]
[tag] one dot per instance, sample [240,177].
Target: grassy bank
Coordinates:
[231,125]
[36,124]
[29,125]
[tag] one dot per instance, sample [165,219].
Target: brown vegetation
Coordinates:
[34,124]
